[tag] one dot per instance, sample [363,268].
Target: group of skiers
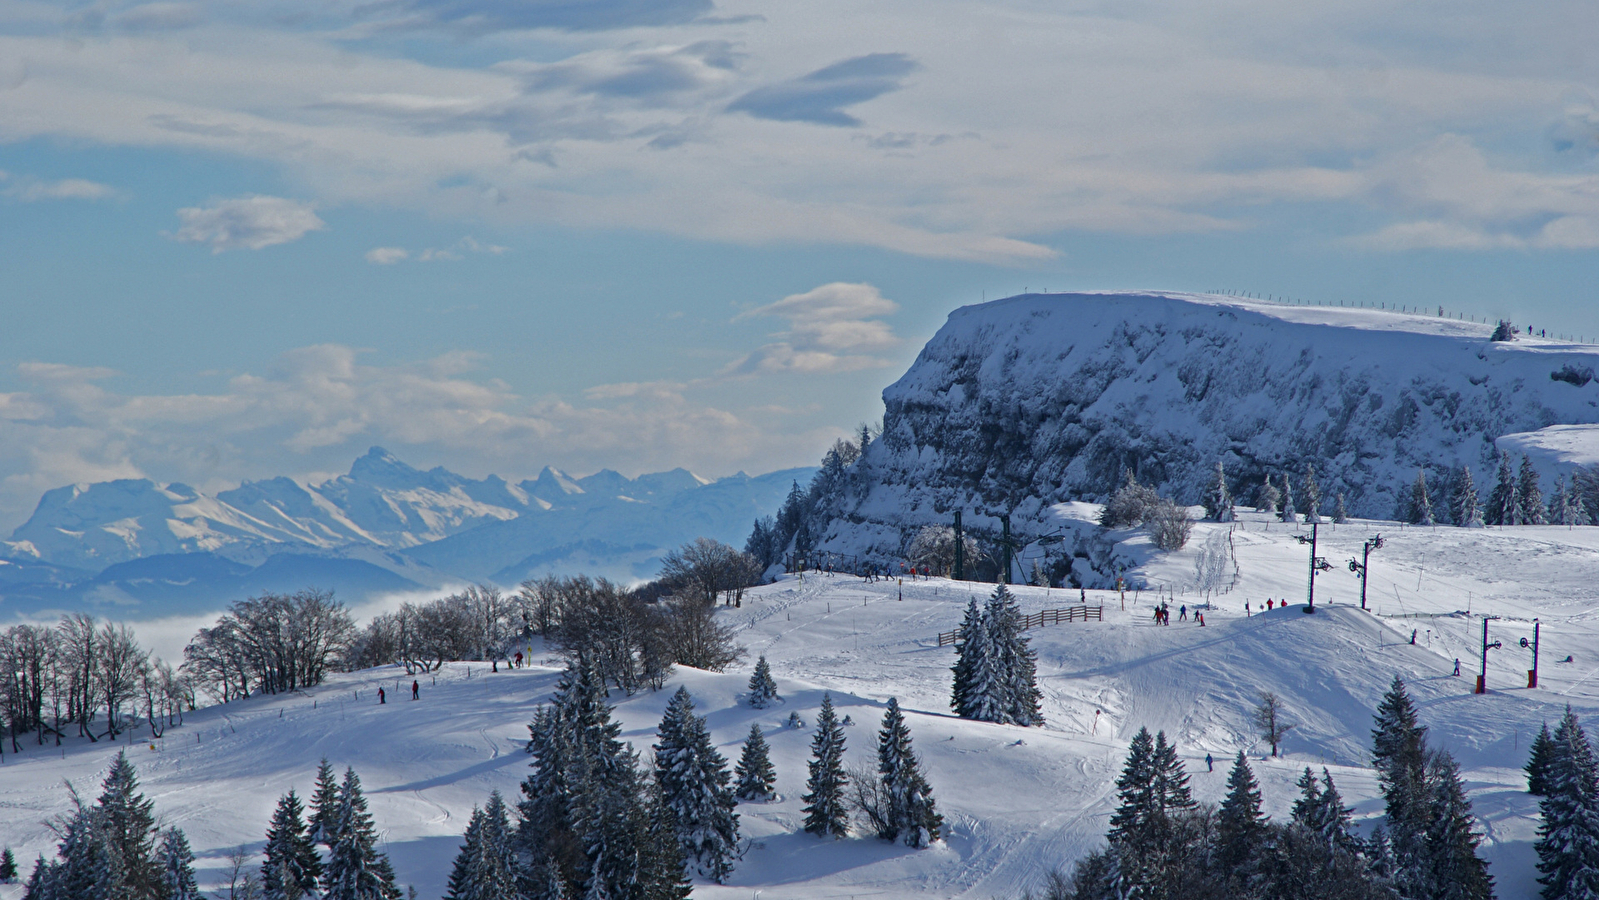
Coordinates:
[1163,614]
[1271,604]
[416,692]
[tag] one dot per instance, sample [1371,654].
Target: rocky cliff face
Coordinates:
[1025,402]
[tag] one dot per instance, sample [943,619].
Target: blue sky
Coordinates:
[244,239]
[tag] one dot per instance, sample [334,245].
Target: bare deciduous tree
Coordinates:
[1269,720]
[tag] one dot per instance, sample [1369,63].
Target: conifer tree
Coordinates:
[1009,691]
[1333,820]
[8,867]
[1568,836]
[1135,790]
[128,822]
[1288,513]
[1312,495]
[909,812]
[324,801]
[1530,496]
[1538,759]
[485,869]
[1268,498]
[1420,501]
[1399,752]
[1504,502]
[1309,802]
[763,688]
[1170,778]
[1467,513]
[973,665]
[461,885]
[825,810]
[1218,500]
[754,772]
[355,869]
[663,873]
[1340,511]
[291,868]
[175,861]
[1239,822]
[693,780]
[1453,868]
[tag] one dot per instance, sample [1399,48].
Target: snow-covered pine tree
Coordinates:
[1504,502]
[1170,778]
[1304,811]
[1268,497]
[291,867]
[825,809]
[1399,753]
[355,869]
[1504,331]
[909,812]
[1420,501]
[1563,505]
[175,861]
[973,663]
[1240,825]
[1137,808]
[1340,511]
[1538,760]
[693,781]
[1466,510]
[126,822]
[485,869]
[1288,513]
[1568,836]
[663,874]
[1012,696]
[324,801]
[1218,500]
[461,883]
[763,688]
[1529,495]
[8,867]
[754,771]
[1335,821]
[1453,869]
[1312,495]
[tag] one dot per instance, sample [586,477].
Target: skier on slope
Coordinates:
[381,699]
[1182,613]
[416,691]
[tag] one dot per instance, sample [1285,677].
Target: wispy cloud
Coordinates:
[833,328]
[247,222]
[479,16]
[32,190]
[822,96]
[388,256]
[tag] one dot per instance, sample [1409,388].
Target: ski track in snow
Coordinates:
[1014,810]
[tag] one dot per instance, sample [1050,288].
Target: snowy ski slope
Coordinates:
[1017,801]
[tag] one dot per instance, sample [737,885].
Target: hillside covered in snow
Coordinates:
[1017,801]
[383,527]
[1019,404]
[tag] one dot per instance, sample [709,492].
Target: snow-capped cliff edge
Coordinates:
[1021,403]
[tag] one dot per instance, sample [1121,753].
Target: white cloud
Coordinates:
[832,328]
[30,190]
[387,256]
[250,222]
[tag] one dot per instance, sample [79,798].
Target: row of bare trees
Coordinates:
[85,677]
[270,644]
[477,623]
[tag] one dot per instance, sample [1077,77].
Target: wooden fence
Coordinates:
[1040,619]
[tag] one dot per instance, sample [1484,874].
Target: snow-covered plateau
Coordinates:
[1019,404]
[1018,802]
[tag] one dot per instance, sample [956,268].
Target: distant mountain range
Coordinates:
[162,549]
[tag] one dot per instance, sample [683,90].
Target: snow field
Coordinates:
[1017,801]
